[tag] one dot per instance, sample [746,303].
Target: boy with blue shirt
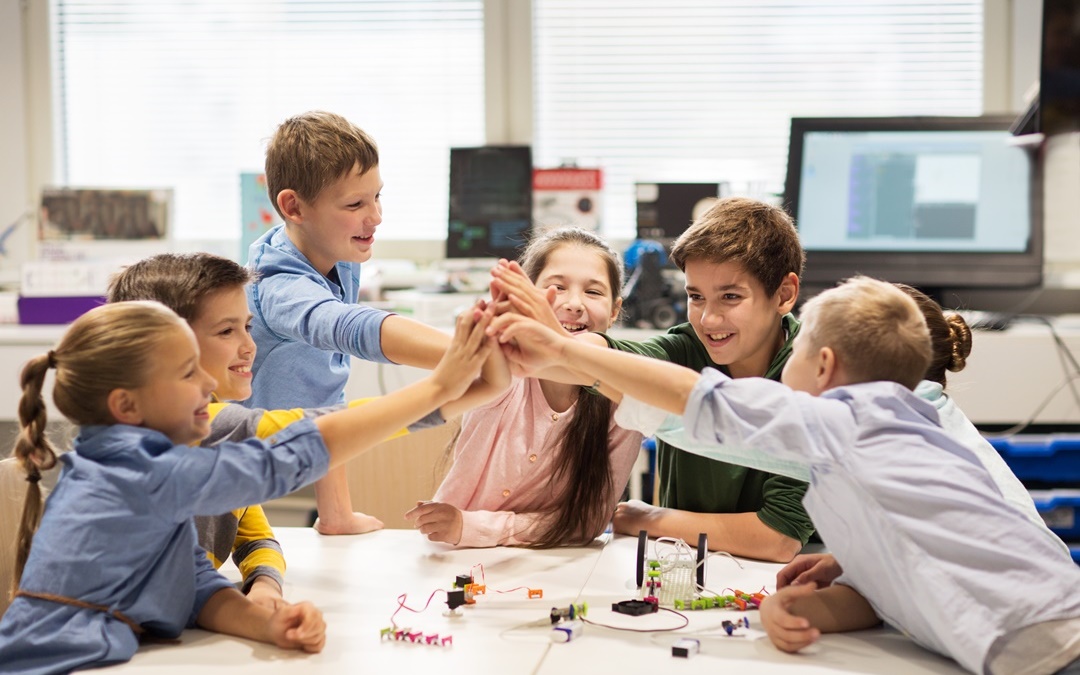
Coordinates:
[322,174]
[925,539]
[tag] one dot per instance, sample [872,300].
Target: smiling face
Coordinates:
[339,226]
[737,321]
[223,330]
[177,391]
[584,299]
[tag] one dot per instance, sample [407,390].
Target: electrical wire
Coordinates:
[684,624]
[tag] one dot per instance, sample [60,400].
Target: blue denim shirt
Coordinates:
[118,532]
[305,326]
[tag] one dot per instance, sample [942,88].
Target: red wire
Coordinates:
[402,605]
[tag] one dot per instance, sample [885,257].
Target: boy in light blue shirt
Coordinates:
[926,541]
[322,174]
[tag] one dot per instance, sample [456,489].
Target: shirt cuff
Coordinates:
[634,415]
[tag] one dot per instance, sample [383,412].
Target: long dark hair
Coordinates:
[582,458]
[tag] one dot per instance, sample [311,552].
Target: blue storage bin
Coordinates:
[1053,458]
[1060,509]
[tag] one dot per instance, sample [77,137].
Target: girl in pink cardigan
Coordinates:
[544,464]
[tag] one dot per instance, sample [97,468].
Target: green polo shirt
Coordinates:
[690,482]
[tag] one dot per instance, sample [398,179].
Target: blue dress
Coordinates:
[118,531]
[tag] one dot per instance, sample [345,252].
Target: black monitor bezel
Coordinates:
[925,270]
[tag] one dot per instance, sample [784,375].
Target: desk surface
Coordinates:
[356,580]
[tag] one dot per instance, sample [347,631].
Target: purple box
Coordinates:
[57,309]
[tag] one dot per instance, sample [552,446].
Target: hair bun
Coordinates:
[960,336]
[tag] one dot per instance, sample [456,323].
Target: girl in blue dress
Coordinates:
[114,558]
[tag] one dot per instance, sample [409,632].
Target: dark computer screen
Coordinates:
[932,202]
[490,201]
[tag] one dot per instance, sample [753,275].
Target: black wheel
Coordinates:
[642,547]
[702,551]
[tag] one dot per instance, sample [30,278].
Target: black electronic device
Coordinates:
[1056,109]
[935,202]
[490,201]
[665,210]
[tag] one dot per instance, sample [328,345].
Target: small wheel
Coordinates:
[702,552]
[642,547]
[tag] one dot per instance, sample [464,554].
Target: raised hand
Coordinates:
[528,343]
[788,632]
[522,297]
[438,521]
[817,568]
[468,350]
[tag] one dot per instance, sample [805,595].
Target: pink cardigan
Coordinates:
[503,464]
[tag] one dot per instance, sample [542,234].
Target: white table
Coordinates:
[356,580]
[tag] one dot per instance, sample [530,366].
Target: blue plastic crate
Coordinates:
[1053,458]
[1061,511]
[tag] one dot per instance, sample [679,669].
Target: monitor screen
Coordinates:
[932,202]
[490,201]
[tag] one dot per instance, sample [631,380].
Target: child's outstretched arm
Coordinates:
[494,379]
[657,383]
[796,616]
[349,432]
[409,342]
[298,626]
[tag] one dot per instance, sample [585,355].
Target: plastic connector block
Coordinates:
[685,647]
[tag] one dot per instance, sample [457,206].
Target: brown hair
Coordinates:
[110,347]
[876,331]
[308,152]
[759,237]
[582,458]
[181,282]
[949,334]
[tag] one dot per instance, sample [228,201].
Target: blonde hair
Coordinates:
[876,331]
[110,347]
[309,152]
[758,236]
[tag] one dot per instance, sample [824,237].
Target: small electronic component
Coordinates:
[565,631]
[731,626]
[455,599]
[635,607]
[685,647]
[568,613]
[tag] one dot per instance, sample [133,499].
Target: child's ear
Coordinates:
[124,407]
[289,203]
[616,308]
[788,293]
[827,369]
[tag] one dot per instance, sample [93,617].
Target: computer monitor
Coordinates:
[940,203]
[490,201]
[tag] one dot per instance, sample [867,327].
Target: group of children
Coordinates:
[204,388]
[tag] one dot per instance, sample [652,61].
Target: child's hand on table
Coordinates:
[634,516]
[818,568]
[439,521]
[354,523]
[265,592]
[298,626]
[788,632]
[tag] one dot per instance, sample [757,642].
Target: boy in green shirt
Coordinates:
[742,260]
